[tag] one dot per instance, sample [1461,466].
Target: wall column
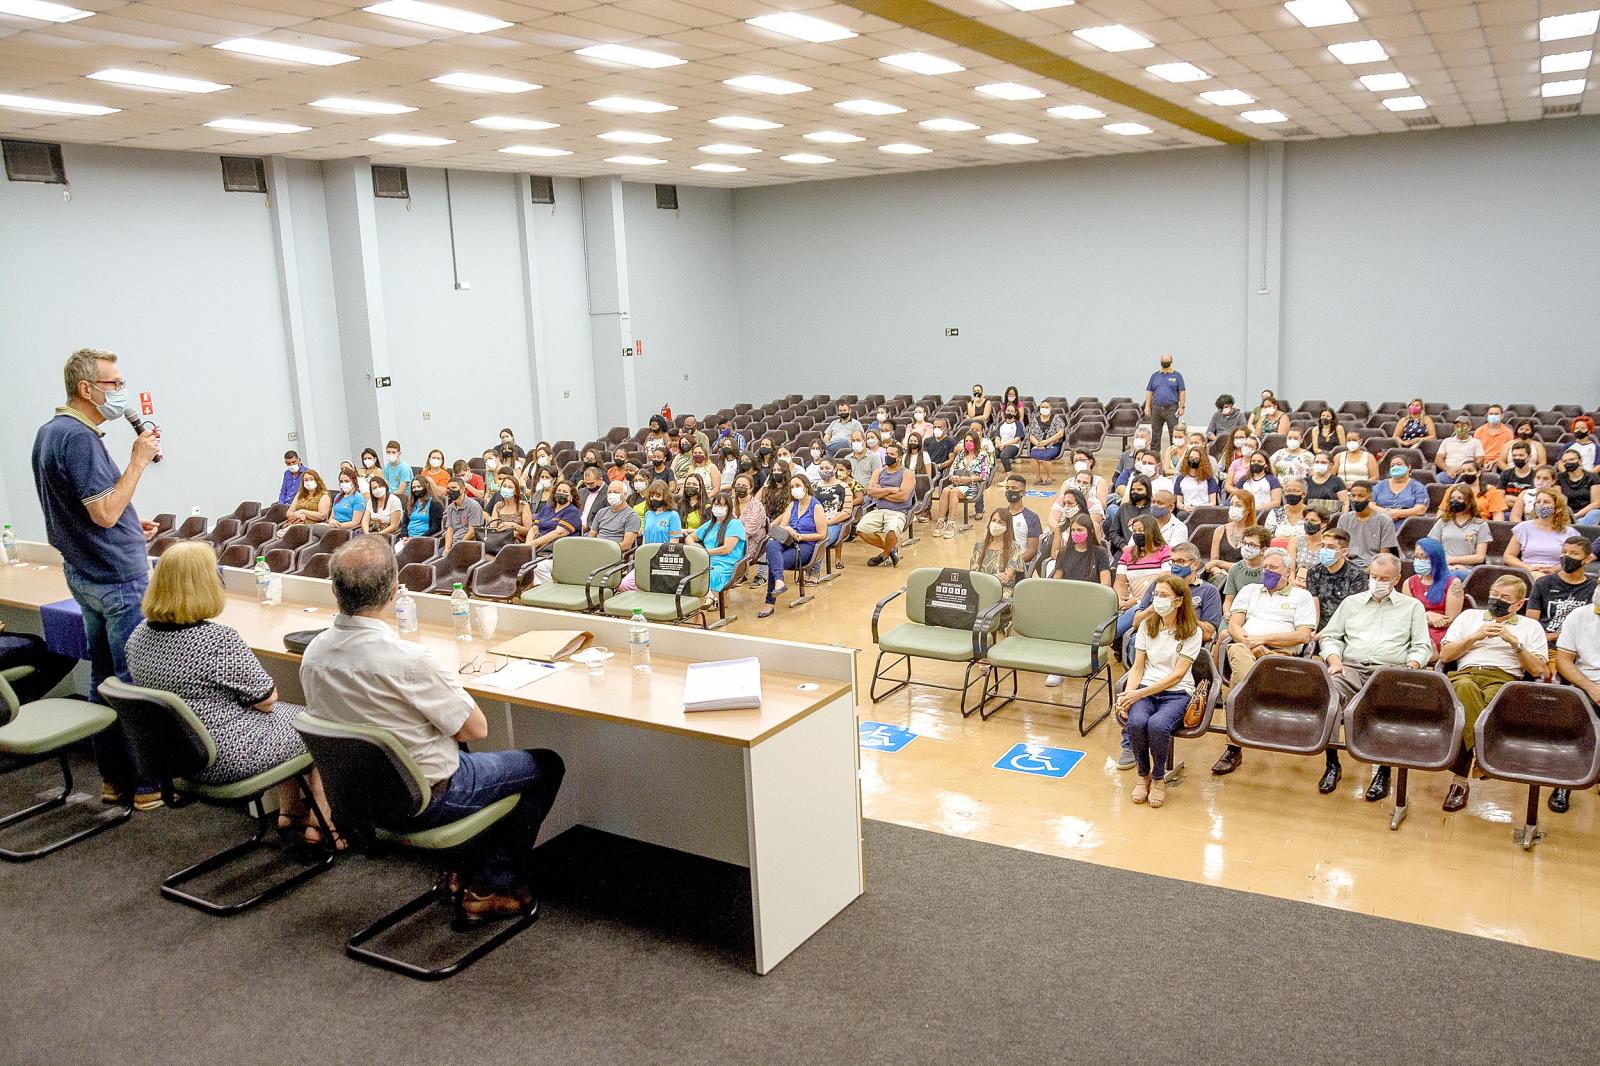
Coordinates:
[358,295]
[1263,365]
[294,327]
[605,256]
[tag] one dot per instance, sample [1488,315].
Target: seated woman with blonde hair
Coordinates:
[179,649]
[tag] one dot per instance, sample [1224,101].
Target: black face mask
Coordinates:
[454,495]
[1359,505]
[1136,497]
[1292,498]
[1013,496]
[1194,463]
[1468,479]
[1569,467]
[1570,565]
[1499,608]
[1257,469]
[1312,531]
[1138,538]
[1524,434]
[741,491]
[765,453]
[656,505]
[891,461]
[1520,463]
[562,501]
[1457,506]
[417,490]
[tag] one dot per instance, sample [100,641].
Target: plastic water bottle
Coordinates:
[8,546]
[405,612]
[263,580]
[639,642]
[460,613]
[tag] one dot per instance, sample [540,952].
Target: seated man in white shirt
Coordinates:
[1162,509]
[362,673]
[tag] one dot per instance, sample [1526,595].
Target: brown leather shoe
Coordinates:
[450,883]
[1231,758]
[496,906]
[1456,798]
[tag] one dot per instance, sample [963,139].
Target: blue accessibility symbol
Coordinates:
[1040,761]
[881,736]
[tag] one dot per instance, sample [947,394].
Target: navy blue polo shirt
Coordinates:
[71,469]
[1164,387]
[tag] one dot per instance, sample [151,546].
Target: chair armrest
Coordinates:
[589,585]
[683,586]
[1100,640]
[16,673]
[987,624]
[876,611]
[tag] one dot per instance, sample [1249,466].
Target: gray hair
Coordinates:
[1281,553]
[84,365]
[1187,550]
[1393,562]
[363,573]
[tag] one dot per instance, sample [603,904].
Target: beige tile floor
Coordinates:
[1262,829]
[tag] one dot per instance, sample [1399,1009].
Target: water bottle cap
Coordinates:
[259,558]
[457,584]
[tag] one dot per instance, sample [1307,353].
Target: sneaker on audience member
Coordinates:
[1125,759]
[1052,681]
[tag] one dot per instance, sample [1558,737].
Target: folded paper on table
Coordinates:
[518,673]
[726,685]
[545,645]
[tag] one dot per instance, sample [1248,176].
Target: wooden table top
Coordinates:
[620,694]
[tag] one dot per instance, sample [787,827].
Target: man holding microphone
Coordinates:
[89,518]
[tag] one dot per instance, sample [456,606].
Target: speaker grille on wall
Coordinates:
[667,197]
[242,173]
[34,161]
[544,189]
[389,183]
[1421,122]
[1552,110]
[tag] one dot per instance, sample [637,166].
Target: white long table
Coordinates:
[775,790]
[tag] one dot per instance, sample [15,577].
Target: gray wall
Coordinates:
[562,292]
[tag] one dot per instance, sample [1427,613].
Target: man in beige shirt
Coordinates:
[362,673]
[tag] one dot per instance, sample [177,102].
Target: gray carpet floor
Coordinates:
[959,952]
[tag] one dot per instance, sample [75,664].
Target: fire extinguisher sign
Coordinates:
[146,404]
[638,348]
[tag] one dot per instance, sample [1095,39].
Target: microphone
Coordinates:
[140,426]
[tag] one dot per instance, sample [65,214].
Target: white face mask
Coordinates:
[997,529]
[640,486]
[544,460]
[1293,442]
[921,414]
[544,483]
[294,468]
[1236,513]
[816,453]
[379,489]
[311,486]
[436,463]
[937,432]
[1247,450]
[1249,551]
[346,486]
[1082,466]
[614,499]
[797,492]
[1352,445]
[719,512]
[871,442]
[857,446]
[1379,589]
[1319,468]
[1163,605]
[1147,469]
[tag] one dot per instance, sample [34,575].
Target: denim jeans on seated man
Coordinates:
[480,779]
[111,612]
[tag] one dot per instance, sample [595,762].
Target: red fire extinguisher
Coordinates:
[666,411]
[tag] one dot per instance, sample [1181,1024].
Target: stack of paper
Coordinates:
[727,685]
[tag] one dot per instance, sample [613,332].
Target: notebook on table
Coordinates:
[725,685]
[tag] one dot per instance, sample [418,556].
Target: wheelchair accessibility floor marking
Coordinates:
[1039,760]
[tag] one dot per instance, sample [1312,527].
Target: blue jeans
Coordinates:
[780,558]
[1150,725]
[1590,519]
[837,448]
[481,779]
[111,612]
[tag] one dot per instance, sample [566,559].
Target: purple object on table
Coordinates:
[63,628]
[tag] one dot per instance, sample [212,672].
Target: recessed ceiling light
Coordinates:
[1115,38]
[833,137]
[1010,90]
[631,137]
[254,125]
[1265,116]
[947,125]
[1558,64]
[39,9]
[1075,111]
[631,106]
[1228,97]
[535,149]
[54,107]
[511,122]
[806,28]
[144,79]
[1177,72]
[1011,138]
[635,160]
[1353,52]
[1562,88]
[485,83]
[869,107]
[921,63]
[411,140]
[360,107]
[761,83]
[1561,27]
[1321,12]
[728,149]
[904,149]
[439,16]
[1405,103]
[1385,83]
[719,168]
[287,53]
[1037,5]
[807,158]
[1127,129]
[633,57]
[740,122]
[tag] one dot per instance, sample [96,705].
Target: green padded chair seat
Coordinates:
[657,606]
[451,834]
[45,725]
[558,597]
[928,642]
[1037,655]
[250,786]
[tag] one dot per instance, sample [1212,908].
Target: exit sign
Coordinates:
[952,333]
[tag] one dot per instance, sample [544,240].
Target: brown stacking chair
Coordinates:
[1124,422]
[223,533]
[165,521]
[329,541]
[1412,530]
[1206,515]
[499,578]
[453,565]
[417,550]
[316,566]
[1405,718]
[289,538]
[242,556]
[1359,408]
[279,560]
[1483,577]
[1538,734]
[192,528]
[246,512]
[1284,703]
[276,513]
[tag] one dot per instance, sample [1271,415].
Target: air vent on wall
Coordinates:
[1172,142]
[544,189]
[389,183]
[1295,131]
[242,173]
[667,197]
[1421,122]
[34,161]
[1552,110]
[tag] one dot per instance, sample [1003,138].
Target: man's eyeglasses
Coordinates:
[117,384]
[482,665]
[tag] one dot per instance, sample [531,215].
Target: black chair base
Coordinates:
[1094,685]
[437,894]
[896,660]
[113,817]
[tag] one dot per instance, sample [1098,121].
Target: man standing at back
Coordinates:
[1165,397]
[361,673]
[89,518]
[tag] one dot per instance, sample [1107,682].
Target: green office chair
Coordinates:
[920,638]
[32,732]
[375,788]
[685,601]
[576,565]
[1057,627]
[171,745]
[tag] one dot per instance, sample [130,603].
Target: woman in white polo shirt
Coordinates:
[1159,685]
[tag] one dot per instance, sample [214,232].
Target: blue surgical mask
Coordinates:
[1493,418]
[1422,567]
[1397,470]
[1326,556]
[1181,571]
[116,402]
